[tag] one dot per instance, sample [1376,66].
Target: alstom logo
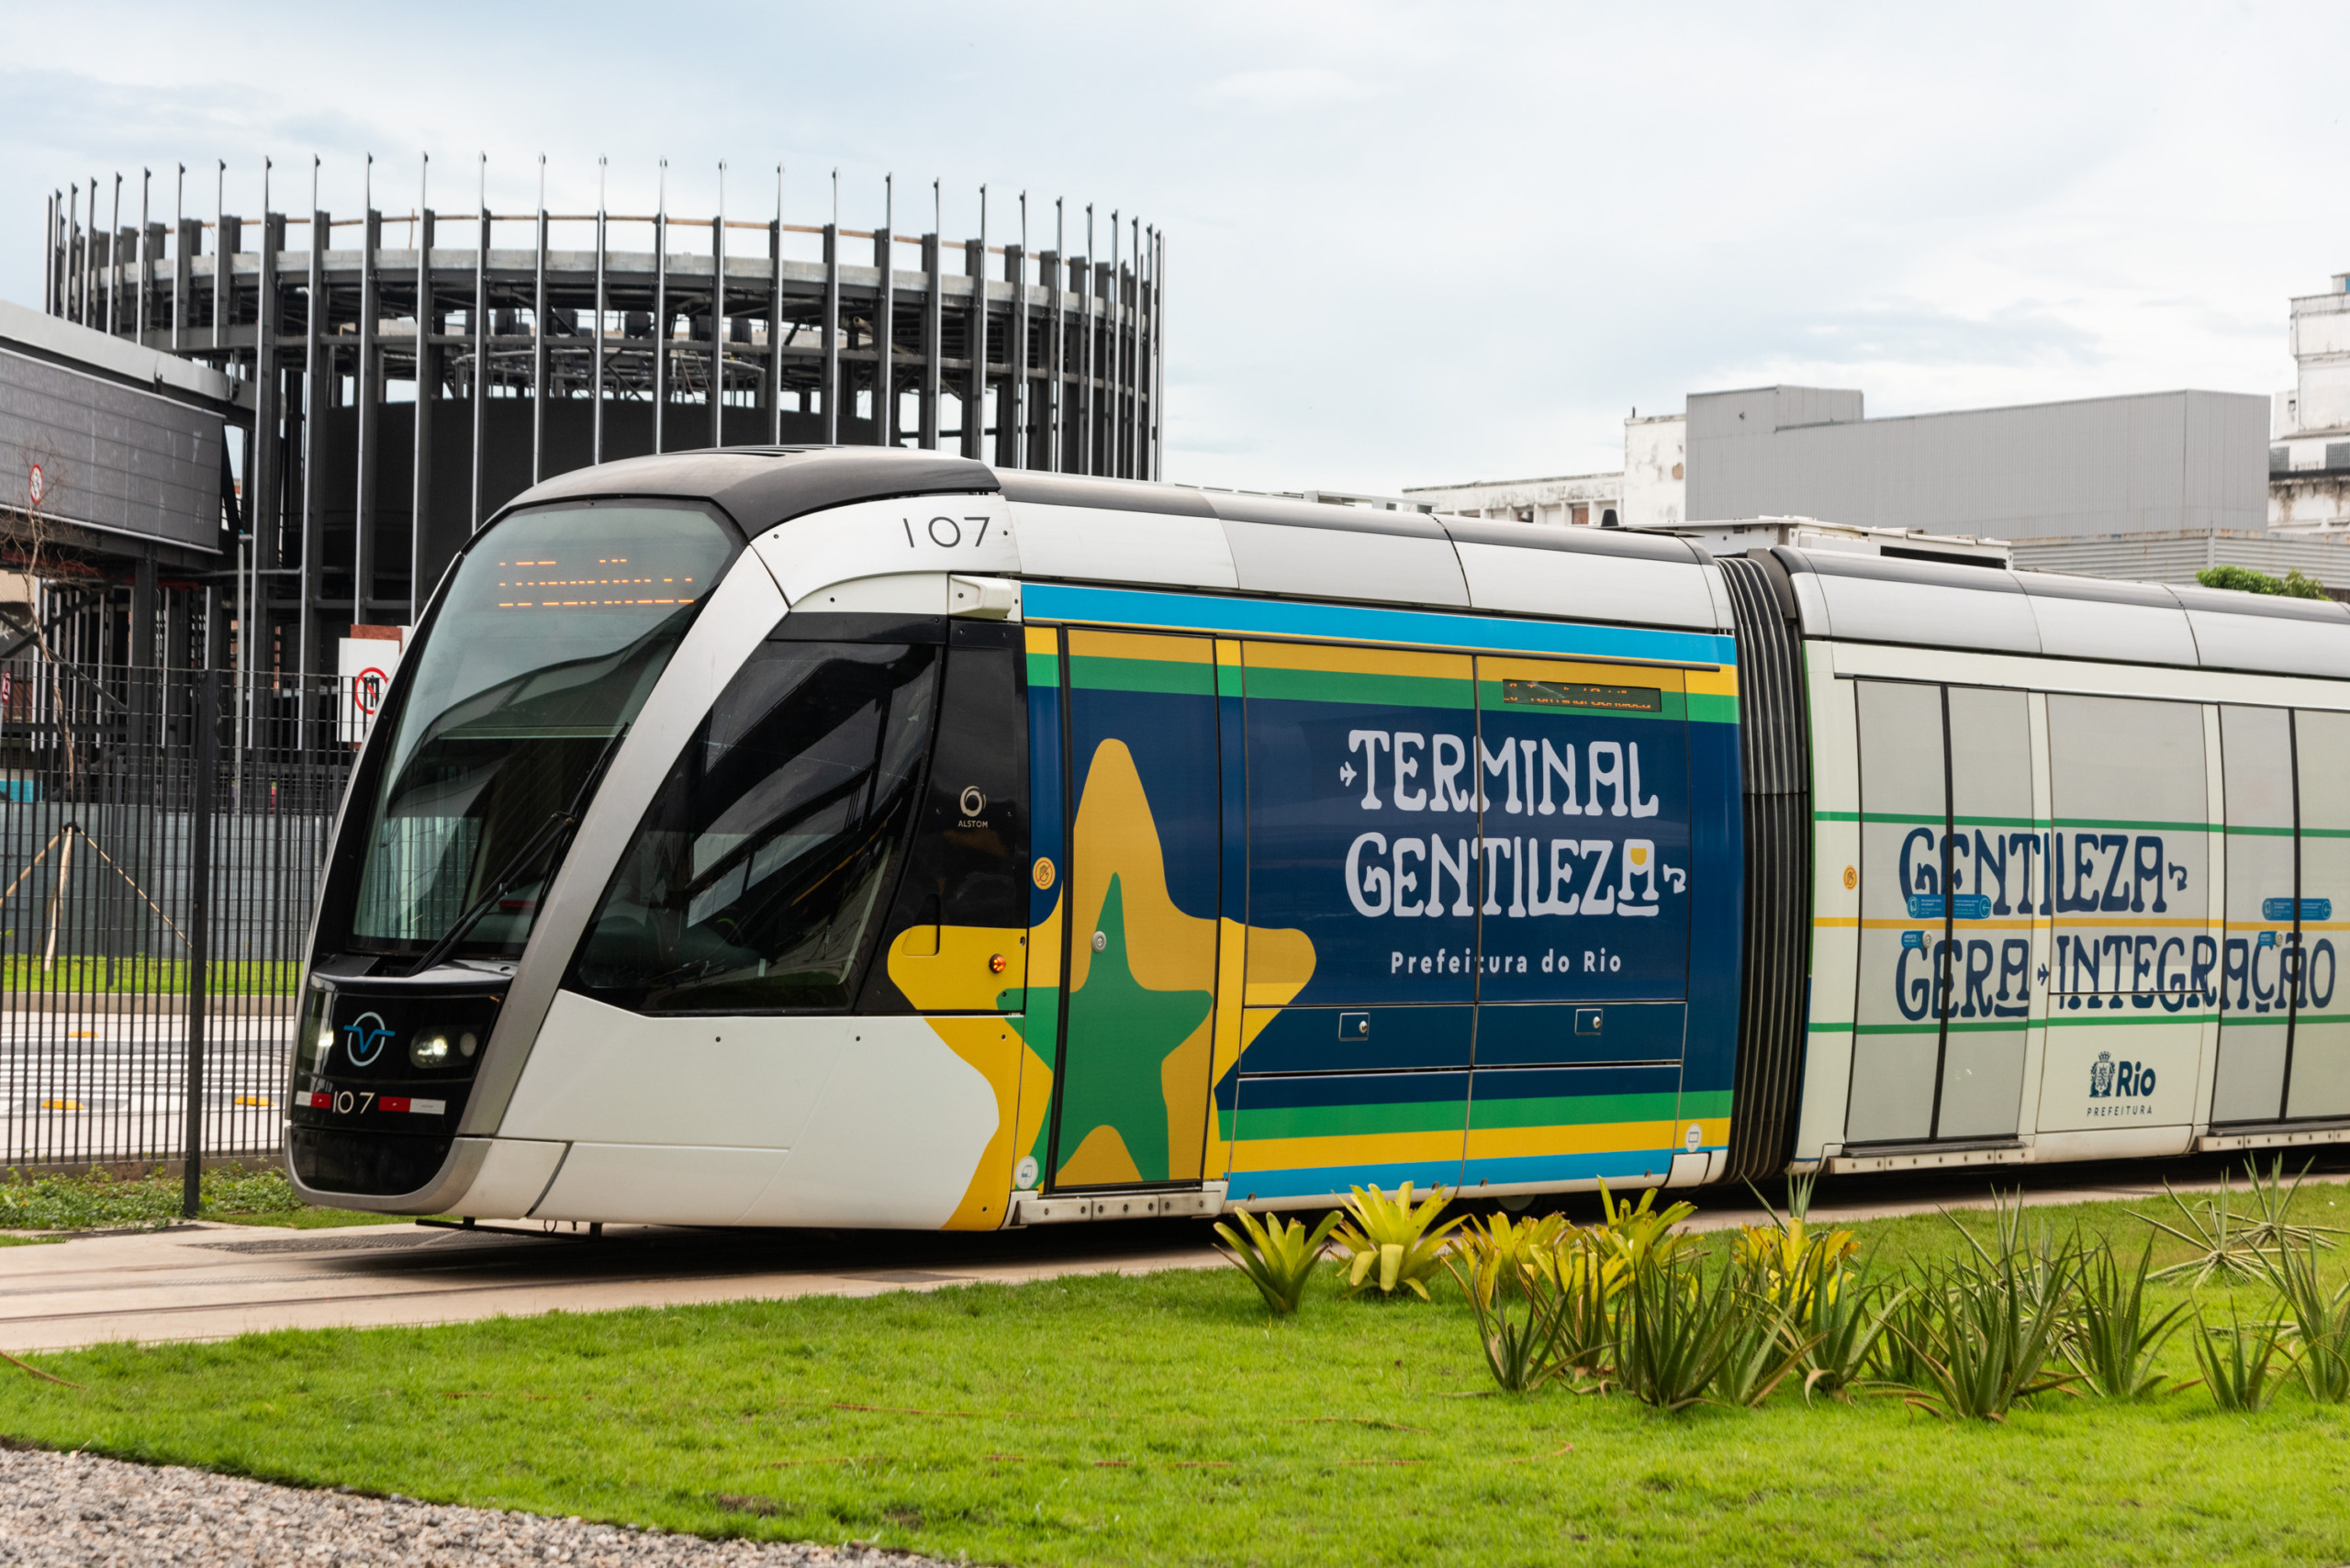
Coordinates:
[364,1037]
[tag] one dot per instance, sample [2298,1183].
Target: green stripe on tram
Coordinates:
[1165,677]
[1369,689]
[1487,1111]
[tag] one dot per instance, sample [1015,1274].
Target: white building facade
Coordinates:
[2309,445]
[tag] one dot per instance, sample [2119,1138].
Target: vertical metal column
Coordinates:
[428,398]
[69,304]
[183,246]
[1015,268]
[1113,382]
[975,344]
[1085,369]
[596,373]
[885,319]
[717,323]
[1134,360]
[539,338]
[773,378]
[264,512]
[934,329]
[140,655]
[200,931]
[145,259]
[114,260]
[318,394]
[224,250]
[1055,343]
[92,312]
[48,256]
[480,324]
[660,313]
[832,324]
[1158,360]
[366,387]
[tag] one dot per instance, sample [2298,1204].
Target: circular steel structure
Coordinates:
[417,369]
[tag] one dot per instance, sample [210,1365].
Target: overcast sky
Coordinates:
[1406,244]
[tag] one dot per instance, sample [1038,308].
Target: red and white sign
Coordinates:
[365,664]
[36,486]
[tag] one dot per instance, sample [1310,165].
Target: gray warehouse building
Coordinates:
[2156,485]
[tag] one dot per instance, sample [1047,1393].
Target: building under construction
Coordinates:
[401,376]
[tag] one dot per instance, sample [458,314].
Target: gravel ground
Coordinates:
[76,1511]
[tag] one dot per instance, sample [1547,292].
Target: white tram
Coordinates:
[855,837]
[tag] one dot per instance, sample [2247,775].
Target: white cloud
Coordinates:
[1285,91]
[1489,230]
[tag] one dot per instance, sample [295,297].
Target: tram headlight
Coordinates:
[428,1050]
[467,1044]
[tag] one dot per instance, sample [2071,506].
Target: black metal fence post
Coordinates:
[200,928]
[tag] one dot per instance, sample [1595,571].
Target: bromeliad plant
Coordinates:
[1641,1232]
[1799,1268]
[1389,1242]
[1278,1255]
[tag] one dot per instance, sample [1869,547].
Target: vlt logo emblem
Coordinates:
[364,1037]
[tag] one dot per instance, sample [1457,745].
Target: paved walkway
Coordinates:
[209,1281]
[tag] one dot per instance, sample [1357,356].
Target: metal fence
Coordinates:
[161,839]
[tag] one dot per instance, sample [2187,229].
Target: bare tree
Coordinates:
[33,527]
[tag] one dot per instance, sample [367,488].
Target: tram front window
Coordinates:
[552,635]
[770,853]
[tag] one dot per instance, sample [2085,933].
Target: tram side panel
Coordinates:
[2114,941]
[1836,905]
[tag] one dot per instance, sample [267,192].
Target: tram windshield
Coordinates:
[552,633]
[770,850]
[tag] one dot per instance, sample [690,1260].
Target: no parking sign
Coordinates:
[365,664]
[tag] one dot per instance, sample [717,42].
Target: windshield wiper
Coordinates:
[551,833]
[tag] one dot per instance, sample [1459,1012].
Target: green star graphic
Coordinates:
[1119,1032]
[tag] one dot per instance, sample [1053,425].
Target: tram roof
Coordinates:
[1625,575]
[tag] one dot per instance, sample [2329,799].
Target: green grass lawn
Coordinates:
[99,1203]
[26,973]
[1165,1419]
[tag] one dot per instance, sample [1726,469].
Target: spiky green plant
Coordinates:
[1989,1331]
[1768,1341]
[2240,1363]
[1389,1241]
[1849,1324]
[2225,1247]
[1676,1331]
[1589,1279]
[1278,1255]
[1521,1353]
[2114,1345]
[2321,1320]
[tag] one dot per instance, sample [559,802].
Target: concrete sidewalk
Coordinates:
[210,1281]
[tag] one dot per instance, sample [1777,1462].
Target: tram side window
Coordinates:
[969,863]
[769,851]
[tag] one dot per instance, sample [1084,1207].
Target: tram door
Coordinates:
[1946,958]
[1131,1095]
[2256,1005]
